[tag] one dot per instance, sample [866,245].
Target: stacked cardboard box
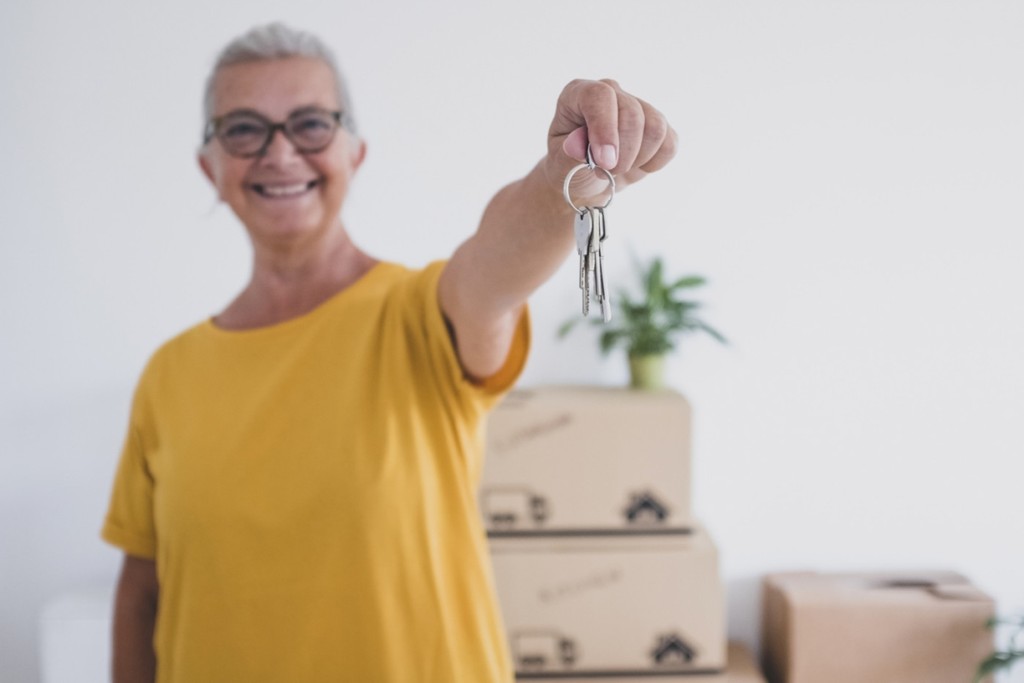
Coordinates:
[600,566]
[925,627]
[742,667]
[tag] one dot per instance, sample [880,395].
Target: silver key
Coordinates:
[600,232]
[592,247]
[583,229]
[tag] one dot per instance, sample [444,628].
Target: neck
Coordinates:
[280,269]
[293,279]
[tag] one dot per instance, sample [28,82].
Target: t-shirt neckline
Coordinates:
[301,319]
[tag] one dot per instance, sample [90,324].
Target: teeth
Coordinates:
[285,190]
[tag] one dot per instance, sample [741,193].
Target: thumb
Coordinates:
[575,144]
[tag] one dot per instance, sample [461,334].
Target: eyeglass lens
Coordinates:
[247,133]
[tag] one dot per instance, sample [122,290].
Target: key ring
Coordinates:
[589,164]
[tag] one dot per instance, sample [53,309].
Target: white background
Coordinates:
[849,179]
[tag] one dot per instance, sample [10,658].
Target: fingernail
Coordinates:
[607,156]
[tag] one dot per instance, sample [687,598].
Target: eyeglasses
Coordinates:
[246,133]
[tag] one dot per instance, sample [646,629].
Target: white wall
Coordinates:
[850,180]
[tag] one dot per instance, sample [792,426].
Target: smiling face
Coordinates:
[282,195]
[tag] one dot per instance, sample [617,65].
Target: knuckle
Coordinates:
[671,143]
[656,127]
[631,118]
[597,92]
[572,88]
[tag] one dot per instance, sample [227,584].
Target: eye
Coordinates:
[238,126]
[311,124]
[244,128]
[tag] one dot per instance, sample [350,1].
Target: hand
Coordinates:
[627,136]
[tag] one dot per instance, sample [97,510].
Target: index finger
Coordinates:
[594,105]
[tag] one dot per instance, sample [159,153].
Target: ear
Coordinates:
[207,167]
[358,154]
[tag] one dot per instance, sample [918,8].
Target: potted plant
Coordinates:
[648,326]
[1005,658]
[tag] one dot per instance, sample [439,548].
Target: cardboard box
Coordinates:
[629,606]
[927,627]
[741,668]
[587,460]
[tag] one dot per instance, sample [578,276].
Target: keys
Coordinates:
[583,229]
[590,232]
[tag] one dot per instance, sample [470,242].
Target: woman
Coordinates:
[296,495]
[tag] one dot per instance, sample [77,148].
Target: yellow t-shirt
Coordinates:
[308,491]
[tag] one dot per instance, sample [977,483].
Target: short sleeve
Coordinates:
[129,521]
[486,393]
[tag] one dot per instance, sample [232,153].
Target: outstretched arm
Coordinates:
[526,230]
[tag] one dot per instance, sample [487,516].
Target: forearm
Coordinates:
[134,660]
[524,237]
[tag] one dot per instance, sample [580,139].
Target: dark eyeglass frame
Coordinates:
[211,131]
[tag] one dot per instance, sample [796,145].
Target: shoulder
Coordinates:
[404,288]
[396,274]
[173,348]
[417,279]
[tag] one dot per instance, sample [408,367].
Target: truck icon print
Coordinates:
[543,650]
[517,507]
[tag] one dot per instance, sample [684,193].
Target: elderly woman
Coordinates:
[296,494]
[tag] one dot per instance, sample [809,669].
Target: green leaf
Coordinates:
[609,339]
[997,661]
[688,281]
[566,327]
[713,332]
[655,286]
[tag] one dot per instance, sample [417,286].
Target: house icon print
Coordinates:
[645,508]
[672,650]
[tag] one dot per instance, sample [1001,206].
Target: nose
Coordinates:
[279,147]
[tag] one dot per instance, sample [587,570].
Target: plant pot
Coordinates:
[647,371]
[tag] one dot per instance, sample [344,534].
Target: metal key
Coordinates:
[591,271]
[592,251]
[583,229]
[589,233]
[599,233]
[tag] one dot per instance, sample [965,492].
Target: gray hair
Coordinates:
[277,41]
